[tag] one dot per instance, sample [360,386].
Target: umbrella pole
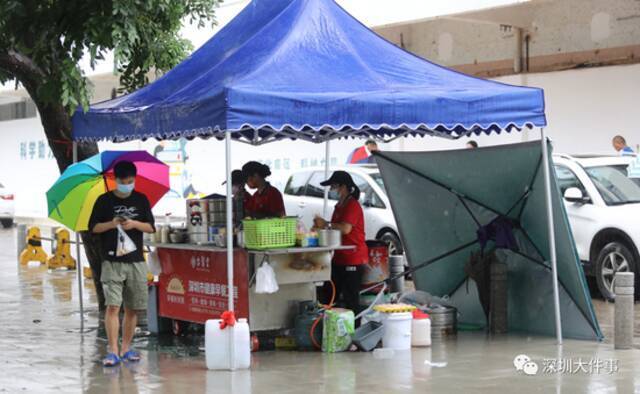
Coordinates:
[78,258]
[551,233]
[327,154]
[230,290]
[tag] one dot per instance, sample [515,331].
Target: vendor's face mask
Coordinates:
[125,188]
[251,182]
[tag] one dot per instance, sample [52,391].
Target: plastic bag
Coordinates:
[266,282]
[422,299]
[154,263]
[125,244]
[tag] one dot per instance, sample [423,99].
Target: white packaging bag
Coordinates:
[266,282]
[154,263]
[125,244]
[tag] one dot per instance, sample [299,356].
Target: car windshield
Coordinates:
[623,169]
[378,178]
[614,185]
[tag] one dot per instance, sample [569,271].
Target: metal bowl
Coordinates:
[177,237]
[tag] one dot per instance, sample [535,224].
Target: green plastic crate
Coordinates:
[269,233]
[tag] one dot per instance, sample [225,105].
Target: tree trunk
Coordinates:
[92,250]
[57,128]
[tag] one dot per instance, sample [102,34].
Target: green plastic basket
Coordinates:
[269,233]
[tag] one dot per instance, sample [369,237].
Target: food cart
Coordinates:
[307,70]
[193,288]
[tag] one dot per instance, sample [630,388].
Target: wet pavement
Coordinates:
[44,351]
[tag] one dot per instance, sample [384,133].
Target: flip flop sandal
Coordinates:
[131,356]
[111,360]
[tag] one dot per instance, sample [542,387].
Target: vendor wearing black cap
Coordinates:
[348,218]
[267,201]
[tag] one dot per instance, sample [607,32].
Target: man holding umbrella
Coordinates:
[116,215]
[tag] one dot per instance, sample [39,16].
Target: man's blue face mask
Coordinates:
[125,189]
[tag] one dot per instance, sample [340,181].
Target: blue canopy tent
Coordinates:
[306,69]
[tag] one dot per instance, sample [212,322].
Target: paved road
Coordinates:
[43,351]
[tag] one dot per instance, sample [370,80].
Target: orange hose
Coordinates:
[333,296]
[315,322]
[311,333]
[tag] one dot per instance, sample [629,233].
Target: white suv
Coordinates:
[603,206]
[304,197]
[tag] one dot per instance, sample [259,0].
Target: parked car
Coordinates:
[304,197]
[7,207]
[603,206]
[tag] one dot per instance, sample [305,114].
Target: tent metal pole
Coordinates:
[230,289]
[229,221]
[327,155]
[551,233]
[78,256]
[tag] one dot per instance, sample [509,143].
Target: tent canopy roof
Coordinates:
[307,69]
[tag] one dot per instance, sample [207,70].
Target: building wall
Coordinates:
[585,108]
[28,168]
[562,34]
[583,53]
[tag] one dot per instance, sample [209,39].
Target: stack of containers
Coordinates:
[217,218]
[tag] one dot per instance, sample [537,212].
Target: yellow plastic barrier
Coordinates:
[88,274]
[62,257]
[33,251]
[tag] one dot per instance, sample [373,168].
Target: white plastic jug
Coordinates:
[216,345]
[421,330]
[397,331]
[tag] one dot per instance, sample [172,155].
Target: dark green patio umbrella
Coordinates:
[443,200]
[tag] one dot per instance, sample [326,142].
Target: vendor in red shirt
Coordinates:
[348,218]
[267,201]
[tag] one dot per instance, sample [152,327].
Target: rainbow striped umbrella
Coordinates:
[71,199]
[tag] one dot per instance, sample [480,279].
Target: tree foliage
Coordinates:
[43,41]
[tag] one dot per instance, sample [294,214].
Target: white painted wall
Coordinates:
[585,108]
[30,176]
[26,177]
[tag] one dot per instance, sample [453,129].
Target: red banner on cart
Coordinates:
[193,284]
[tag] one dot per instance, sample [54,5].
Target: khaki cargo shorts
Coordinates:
[125,282]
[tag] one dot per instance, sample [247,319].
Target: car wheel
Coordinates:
[393,241]
[7,223]
[614,257]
